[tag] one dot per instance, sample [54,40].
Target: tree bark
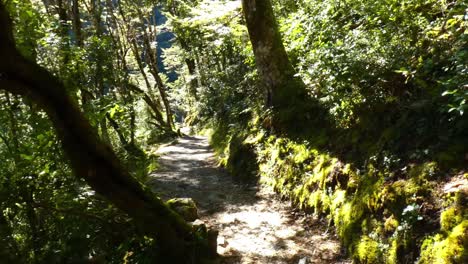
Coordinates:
[31,215]
[193,82]
[286,93]
[130,147]
[86,95]
[63,21]
[77,24]
[147,97]
[183,37]
[153,67]
[152,103]
[272,61]
[93,160]
[96,10]
[189,61]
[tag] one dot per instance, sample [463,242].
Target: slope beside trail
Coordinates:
[254,225]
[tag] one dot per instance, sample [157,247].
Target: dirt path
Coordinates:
[254,226]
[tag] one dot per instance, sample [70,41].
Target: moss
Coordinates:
[242,160]
[398,194]
[347,221]
[300,152]
[450,218]
[395,196]
[338,199]
[364,205]
[369,189]
[446,249]
[185,207]
[256,138]
[368,251]
[423,171]
[392,253]
[219,139]
[391,224]
[320,201]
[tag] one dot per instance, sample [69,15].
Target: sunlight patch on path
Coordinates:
[254,225]
[267,232]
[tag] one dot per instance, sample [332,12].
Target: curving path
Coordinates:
[254,226]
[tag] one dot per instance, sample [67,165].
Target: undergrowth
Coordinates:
[385,209]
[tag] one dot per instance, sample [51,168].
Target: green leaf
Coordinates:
[26,157]
[450,92]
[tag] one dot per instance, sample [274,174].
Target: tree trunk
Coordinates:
[77,24]
[132,124]
[193,83]
[63,21]
[191,65]
[286,94]
[272,61]
[28,198]
[86,95]
[96,10]
[201,71]
[153,104]
[93,160]
[153,66]
[183,38]
[147,97]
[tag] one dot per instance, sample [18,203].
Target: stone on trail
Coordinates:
[199,227]
[186,207]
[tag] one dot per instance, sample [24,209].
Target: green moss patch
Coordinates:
[368,251]
[380,213]
[451,248]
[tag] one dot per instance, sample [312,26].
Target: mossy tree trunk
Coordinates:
[93,160]
[285,93]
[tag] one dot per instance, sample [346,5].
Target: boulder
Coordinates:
[185,207]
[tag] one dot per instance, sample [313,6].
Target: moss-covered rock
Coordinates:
[185,207]
[242,160]
[450,218]
[453,248]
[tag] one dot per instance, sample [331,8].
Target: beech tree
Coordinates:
[93,160]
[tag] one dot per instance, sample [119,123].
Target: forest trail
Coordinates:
[254,226]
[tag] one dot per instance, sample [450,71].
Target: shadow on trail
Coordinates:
[254,226]
[188,169]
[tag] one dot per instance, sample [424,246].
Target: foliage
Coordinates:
[357,53]
[212,35]
[393,76]
[47,215]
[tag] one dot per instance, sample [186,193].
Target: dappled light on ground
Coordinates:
[268,231]
[254,225]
